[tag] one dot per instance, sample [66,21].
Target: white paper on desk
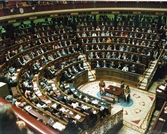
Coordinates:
[58,126]
[71,112]
[159,90]
[160,119]
[48,101]
[13,77]
[36,88]
[28,108]
[67,86]
[63,109]
[77,117]
[38,93]
[95,102]
[72,89]
[162,87]
[54,105]
[35,84]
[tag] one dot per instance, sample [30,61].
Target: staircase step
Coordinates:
[147,76]
[143,84]
[144,80]
[142,87]
[150,70]
[90,77]
[90,80]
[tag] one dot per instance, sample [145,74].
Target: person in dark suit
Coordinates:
[12,70]
[19,62]
[80,67]
[127,94]
[70,71]
[112,64]
[74,69]
[122,84]
[28,75]
[66,77]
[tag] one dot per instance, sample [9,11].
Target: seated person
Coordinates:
[90,56]
[20,103]
[112,65]
[44,84]
[27,84]
[74,69]
[97,64]
[10,99]
[133,69]
[66,77]
[80,67]
[40,104]
[104,63]
[125,68]
[70,71]
[119,66]
[9,123]
[12,70]
[36,66]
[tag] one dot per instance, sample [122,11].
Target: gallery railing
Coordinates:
[108,123]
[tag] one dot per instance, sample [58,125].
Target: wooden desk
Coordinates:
[117,91]
[45,119]
[31,122]
[117,75]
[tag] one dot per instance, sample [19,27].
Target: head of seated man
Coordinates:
[9,123]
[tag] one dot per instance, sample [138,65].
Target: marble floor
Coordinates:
[134,112]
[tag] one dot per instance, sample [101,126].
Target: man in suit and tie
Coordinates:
[66,77]
[28,75]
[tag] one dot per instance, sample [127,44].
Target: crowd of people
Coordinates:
[71,39]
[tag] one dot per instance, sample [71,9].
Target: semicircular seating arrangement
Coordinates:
[44,59]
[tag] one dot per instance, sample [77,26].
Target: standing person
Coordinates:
[102,86]
[122,84]
[127,93]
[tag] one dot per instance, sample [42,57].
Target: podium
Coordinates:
[4,91]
